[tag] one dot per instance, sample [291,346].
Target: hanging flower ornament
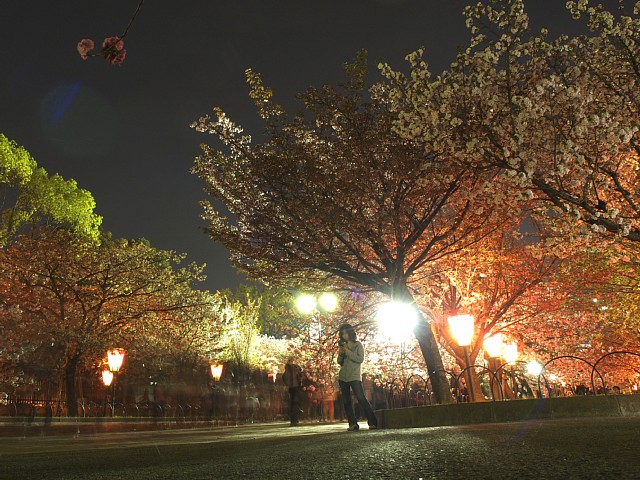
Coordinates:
[113,50]
[112,47]
[84,47]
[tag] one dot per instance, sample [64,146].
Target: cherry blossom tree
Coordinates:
[335,197]
[558,117]
[76,299]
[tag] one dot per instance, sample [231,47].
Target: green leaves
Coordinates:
[32,196]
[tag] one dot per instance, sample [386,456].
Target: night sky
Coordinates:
[123,132]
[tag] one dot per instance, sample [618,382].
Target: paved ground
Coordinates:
[592,448]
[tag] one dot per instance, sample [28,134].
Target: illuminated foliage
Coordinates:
[31,196]
[334,196]
[74,300]
[559,118]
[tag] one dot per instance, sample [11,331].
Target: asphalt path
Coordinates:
[587,448]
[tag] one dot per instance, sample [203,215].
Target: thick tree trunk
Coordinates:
[70,386]
[437,374]
[500,388]
[429,348]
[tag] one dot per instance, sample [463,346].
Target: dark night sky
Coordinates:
[123,132]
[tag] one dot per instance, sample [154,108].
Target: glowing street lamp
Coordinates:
[510,353]
[396,320]
[328,302]
[107,377]
[493,345]
[534,368]
[115,358]
[307,303]
[493,349]
[462,330]
[216,371]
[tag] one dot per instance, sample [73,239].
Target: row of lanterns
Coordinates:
[115,359]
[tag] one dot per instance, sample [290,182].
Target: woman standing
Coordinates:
[350,358]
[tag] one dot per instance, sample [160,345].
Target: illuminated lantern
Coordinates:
[107,377]
[216,371]
[115,358]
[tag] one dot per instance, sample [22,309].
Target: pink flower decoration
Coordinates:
[113,50]
[113,41]
[84,47]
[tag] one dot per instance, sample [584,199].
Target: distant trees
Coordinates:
[76,299]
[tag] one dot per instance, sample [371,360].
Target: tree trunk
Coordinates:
[70,386]
[500,388]
[429,348]
[437,374]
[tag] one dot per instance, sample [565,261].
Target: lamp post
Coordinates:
[115,358]
[493,348]
[462,329]
[217,394]
[107,379]
[510,355]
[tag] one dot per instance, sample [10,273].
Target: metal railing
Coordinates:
[415,390]
[235,406]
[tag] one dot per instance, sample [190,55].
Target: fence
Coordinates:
[509,382]
[235,404]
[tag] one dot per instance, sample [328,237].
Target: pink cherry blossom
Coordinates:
[113,50]
[113,42]
[84,47]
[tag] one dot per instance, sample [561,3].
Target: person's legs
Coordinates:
[364,403]
[293,405]
[345,390]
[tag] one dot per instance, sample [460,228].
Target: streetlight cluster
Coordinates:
[115,359]
[306,303]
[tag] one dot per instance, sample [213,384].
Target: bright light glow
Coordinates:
[306,303]
[115,358]
[216,371]
[107,377]
[493,345]
[534,368]
[328,302]
[510,353]
[396,320]
[462,329]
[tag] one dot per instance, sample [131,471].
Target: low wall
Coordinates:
[510,411]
